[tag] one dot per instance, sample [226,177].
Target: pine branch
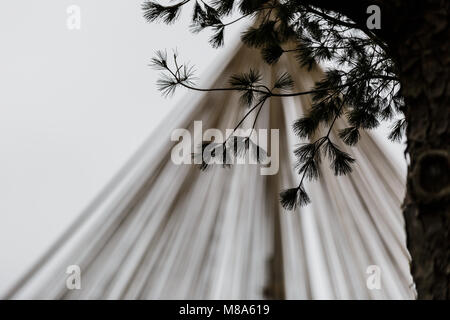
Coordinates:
[309,155]
[365,76]
[350,25]
[154,11]
[398,130]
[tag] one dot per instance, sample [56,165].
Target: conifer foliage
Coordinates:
[361,85]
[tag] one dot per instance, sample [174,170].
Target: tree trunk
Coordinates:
[417,35]
[423,58]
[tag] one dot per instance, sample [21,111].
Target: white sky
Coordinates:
[74,105]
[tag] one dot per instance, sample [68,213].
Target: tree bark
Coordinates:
[417,35]
[423,58]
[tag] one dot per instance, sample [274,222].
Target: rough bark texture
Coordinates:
[424,59]
[417,35]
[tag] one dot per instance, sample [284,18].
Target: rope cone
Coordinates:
[161,230]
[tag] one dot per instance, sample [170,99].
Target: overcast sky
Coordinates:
[74,105]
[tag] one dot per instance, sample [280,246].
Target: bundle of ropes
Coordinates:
[160,230]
